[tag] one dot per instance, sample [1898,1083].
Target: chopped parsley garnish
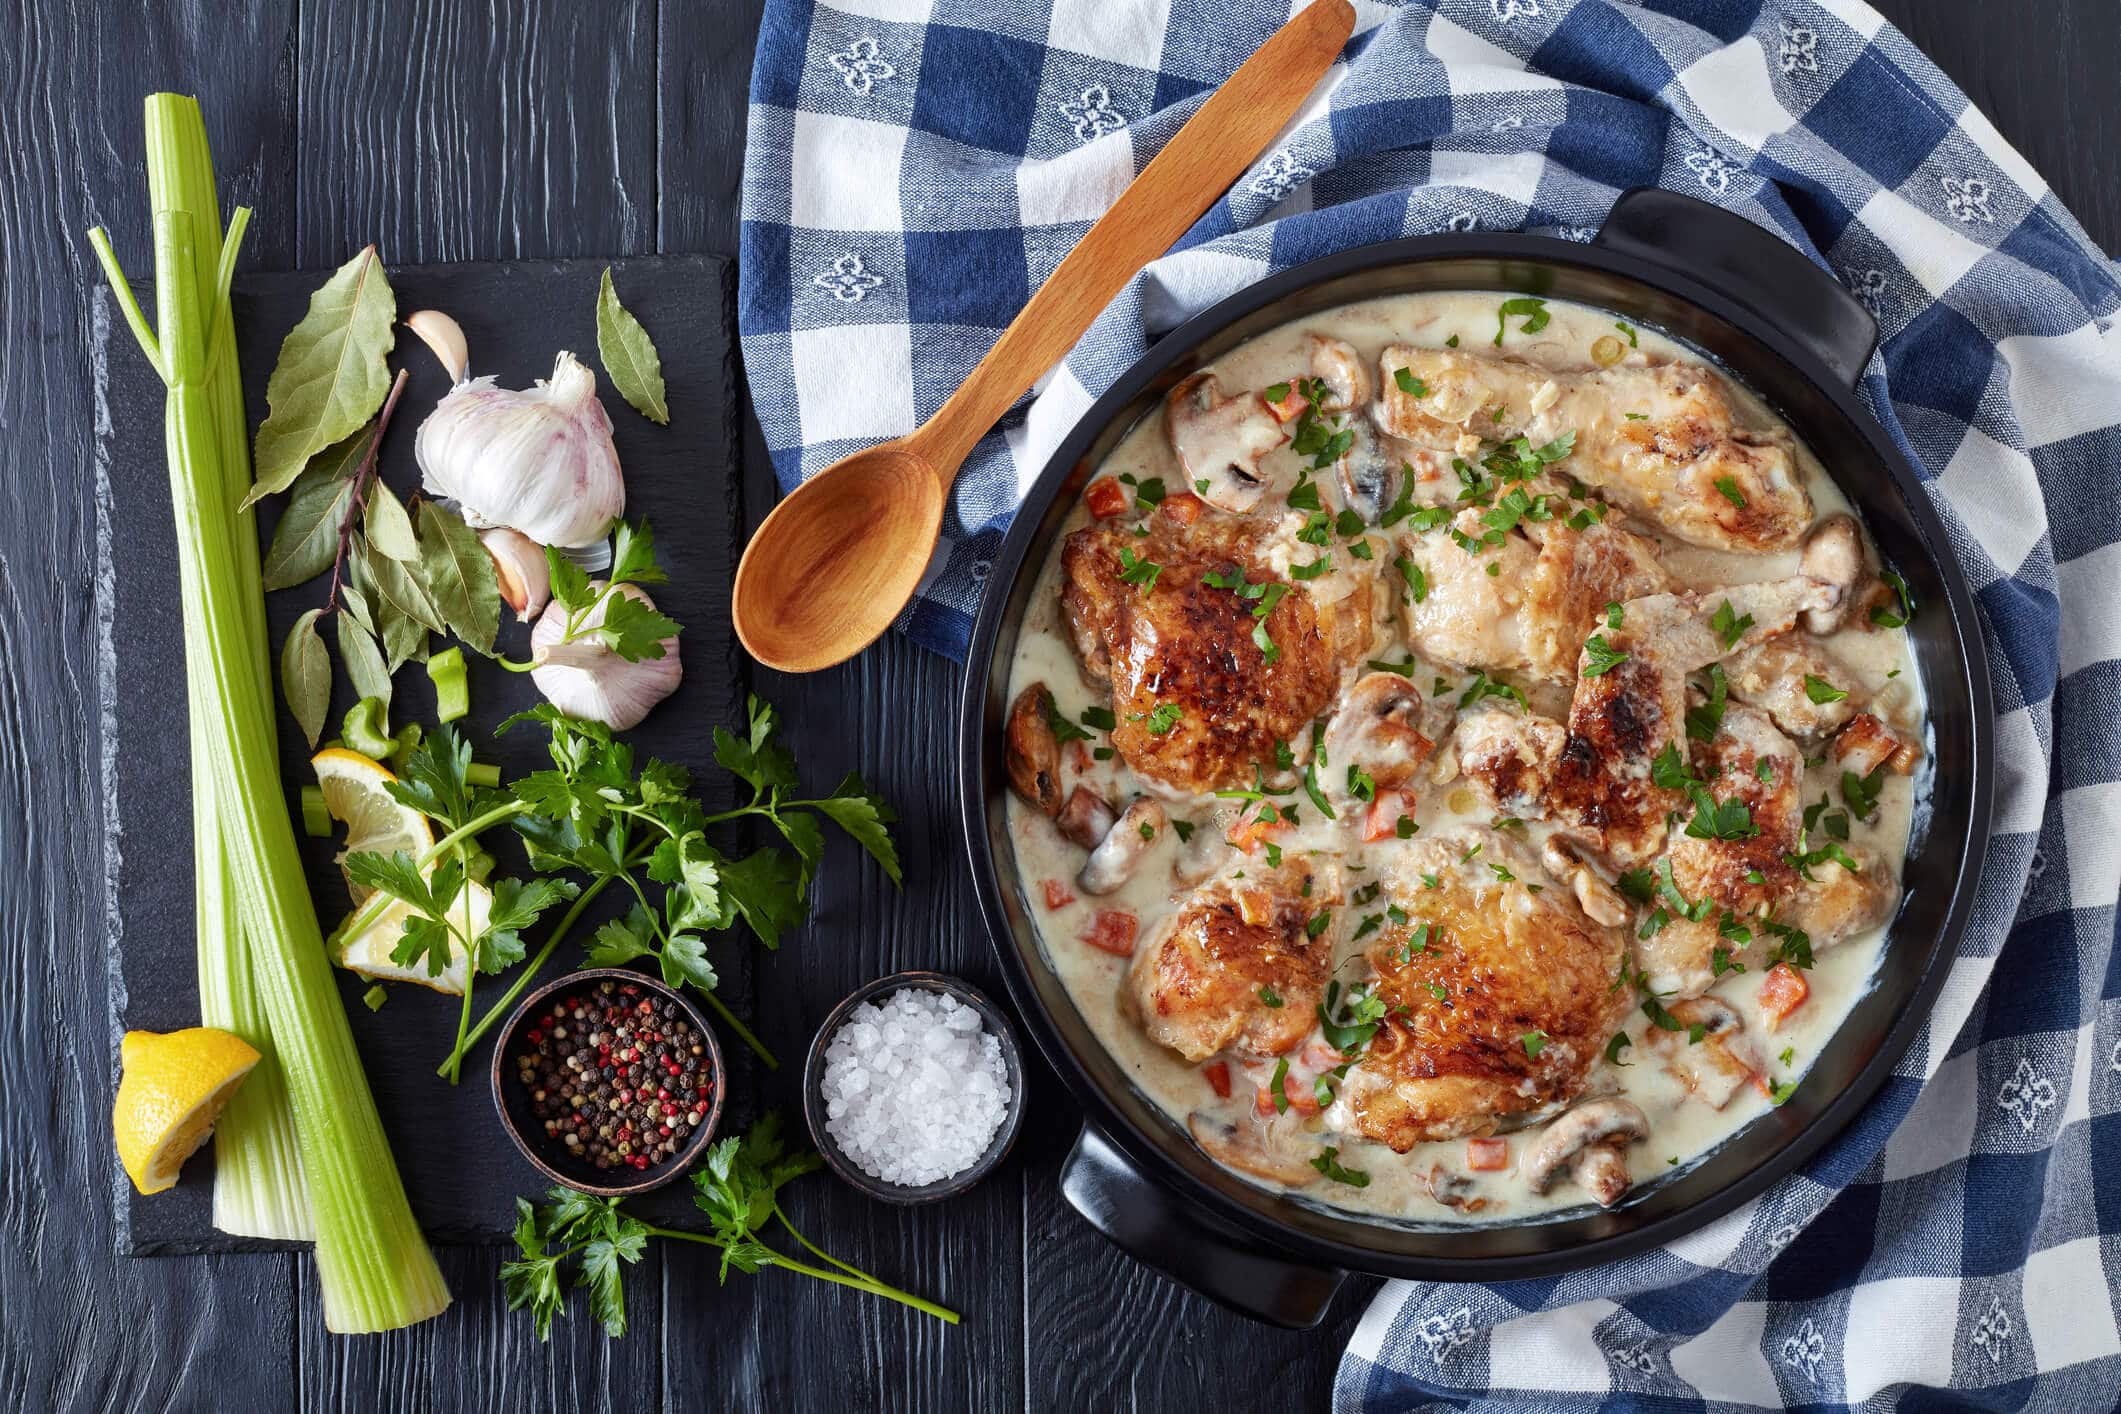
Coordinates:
[1439,991]
[1371,922]
[1410,385]
[1719,820]
[1600,657]
[1417,942]
[1313,570]
[1781,1090]
[1703,722]
[1534,310]
[1417,582]
[1100,718]
[1720,962]
[1269,997]
[1861,792]
[1830,852]
[1403,504]
[1620,1042]
[1318,529]
[1482,687]
[1063,729]
[1150,493]
[1467,857]
[1184,829]
[1502,872]
[1318,797]
[1138,571]
[1350,1033]
[1284,758]
[1430,881]
[1361,784]
[1614,613]
[1404,827]
[1320,921]
[1821,691]
[1405,670]
[1888,618]
[1328,1163]
[1277,1086]
[1792,946]
[1148,830]
[1789,1053]
[1729,626]
[1764,771]
[1628,329]
[1729,487]
[1160,721]
[1636,416]
[1637,884]
[1273,855]
[1303,496]
[1534,1043]
[1668,770]
[1451,343]
[1275,392]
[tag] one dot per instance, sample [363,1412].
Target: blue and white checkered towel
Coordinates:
[916,167]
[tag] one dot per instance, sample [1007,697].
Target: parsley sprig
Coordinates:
[578,1241]
[598,613]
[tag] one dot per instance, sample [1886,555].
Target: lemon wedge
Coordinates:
[171,1089]
[355,797]
[368,951]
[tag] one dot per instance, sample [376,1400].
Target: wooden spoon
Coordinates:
[837,560]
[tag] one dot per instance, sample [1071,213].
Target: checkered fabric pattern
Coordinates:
[918,166]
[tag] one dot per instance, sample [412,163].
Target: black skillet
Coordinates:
[1788,331]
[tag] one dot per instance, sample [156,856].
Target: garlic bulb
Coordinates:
[585,679]
[520,569]
[539,460]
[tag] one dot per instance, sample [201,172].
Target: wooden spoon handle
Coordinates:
[1194,169]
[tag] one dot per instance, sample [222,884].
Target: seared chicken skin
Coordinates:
[1201,980]
[1482,963]
[1599,775]
[1548,594]
[1670,464]
[1198,701]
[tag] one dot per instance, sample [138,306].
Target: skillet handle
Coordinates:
[1153,1225]
[1754,267]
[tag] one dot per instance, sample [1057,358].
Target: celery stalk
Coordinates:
[374,1266]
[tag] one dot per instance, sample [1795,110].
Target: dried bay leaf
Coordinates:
[400,586]
[460,576]
[305,676]
[403,637]
[363,660]
[331,375]
[306,539]
[629,355]
[389,527]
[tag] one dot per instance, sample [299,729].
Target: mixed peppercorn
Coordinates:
[618,1078]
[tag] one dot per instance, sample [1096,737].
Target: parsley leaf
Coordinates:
[1328,1160]
[1600,657]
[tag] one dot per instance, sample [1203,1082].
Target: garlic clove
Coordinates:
[519,565]
[584,679]
[537,460]
[445,338]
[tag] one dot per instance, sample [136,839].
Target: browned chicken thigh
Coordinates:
[1202,981]
[1204,685]
[1600,775]
[1499,993]
[1659,439]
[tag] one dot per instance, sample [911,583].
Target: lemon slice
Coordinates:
[368,951]
[170,1092]
[354,795]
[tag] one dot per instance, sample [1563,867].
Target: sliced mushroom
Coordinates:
[1370,472]
[1219,441]
[1587,1140]
[1033,751]
[1599,901]
[1086,819]
[1120,853]
[1715,1066]
[1867,743]
[1244,1148]
[1379,728]
[1833,552]
[1451,1188]
[1209,848]
[1336,365]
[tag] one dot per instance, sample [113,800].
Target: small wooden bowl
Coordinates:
[997,1025]
[550,1157]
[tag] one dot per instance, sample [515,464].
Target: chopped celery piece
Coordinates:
[367,728]
[479,773]
[316,816]
[452,684]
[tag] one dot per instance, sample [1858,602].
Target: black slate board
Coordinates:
[459,1166]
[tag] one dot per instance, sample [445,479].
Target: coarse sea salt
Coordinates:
[914,1087]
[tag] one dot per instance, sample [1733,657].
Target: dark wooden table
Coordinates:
[446,131]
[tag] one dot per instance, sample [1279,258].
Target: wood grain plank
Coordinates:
[73,1337]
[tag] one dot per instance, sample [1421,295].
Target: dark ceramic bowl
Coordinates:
[549,1156]
[1784,328]
[997,1025]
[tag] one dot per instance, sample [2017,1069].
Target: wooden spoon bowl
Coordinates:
[837,560]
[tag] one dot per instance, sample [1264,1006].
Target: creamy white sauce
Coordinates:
[1683,1129]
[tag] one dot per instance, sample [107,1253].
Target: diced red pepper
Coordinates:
[1058,894]
[1301,1098]
[1106,498]
[1183,507]
[1251,831]
[1320,1056]
[1112,931]
[1079,756]
[1218,1077]
[1487,1155]
[1383,820]
[1290,407]
[1782,991]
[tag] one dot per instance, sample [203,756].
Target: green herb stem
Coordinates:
[451,1068]
[729,1017]
[862,1283]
